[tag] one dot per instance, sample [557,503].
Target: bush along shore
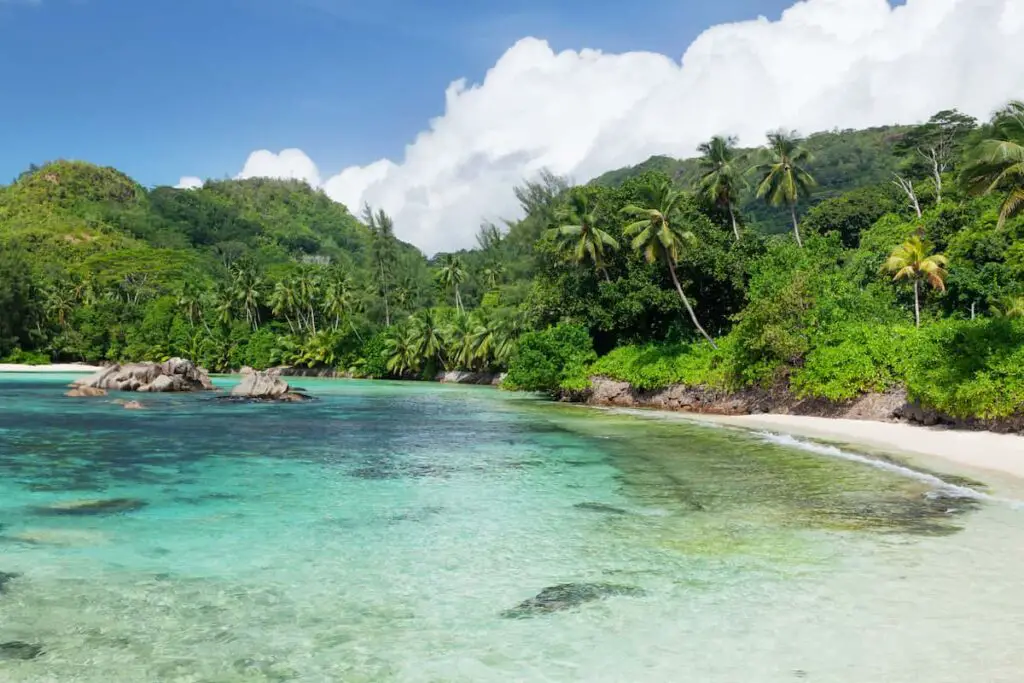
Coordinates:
[831,274]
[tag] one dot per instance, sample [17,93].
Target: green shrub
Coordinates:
[20,357]
[552,359]
[970,368]
[656,366]
[372,362]
[853,360]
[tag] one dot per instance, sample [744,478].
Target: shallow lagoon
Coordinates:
[379,533]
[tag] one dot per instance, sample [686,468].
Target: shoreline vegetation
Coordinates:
[873,273]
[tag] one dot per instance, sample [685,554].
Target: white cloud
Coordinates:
[189,182]
[824,64]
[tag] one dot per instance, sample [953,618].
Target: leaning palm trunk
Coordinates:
[689,308]
[917,305]
[796,226]
[735,228]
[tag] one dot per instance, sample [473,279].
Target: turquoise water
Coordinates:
[379,533]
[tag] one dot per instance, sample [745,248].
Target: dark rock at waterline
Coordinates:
[16,649]
[103,506]
[566,596]
[5,578]
[290,397]
[600,507]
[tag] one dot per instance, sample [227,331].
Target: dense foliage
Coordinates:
[828,266]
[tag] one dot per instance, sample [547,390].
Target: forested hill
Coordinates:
[841,161]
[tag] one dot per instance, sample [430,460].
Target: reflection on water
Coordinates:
[381,533]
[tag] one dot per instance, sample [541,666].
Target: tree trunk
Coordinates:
[384,288]
[604,271]
[917,305]
[458,300]
[353,326]
[686,302]
[796,226]
[735,228]
[938,176]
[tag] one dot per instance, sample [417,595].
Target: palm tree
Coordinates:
[1010,307]
[911,261]
[451,275]
[784,180]
[579,235]
[190,299]
[283,301]
[428,335]
[657,237]
[492,275]
[400,352]
[339,300]
[997,163]
[720,180]
[246,285]
[459,341]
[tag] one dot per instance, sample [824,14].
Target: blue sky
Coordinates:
[164,88]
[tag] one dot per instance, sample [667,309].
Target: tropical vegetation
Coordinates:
[828,266]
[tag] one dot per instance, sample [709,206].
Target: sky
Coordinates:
[433,111]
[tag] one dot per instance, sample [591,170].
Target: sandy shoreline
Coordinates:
[996,459]
[53,367]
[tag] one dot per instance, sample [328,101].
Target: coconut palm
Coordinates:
[720,180]
[997,163]
[578,234]
[459,341]
[452,274]
[911,261]
[1010,307]
[246,286]
[784,180]
[428,336]
[340,301]
[658,237]
[283,302]
[190,300]
[400,352]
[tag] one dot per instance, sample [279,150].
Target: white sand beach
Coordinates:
[53,367]
[994,458]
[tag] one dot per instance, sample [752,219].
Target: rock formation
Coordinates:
[176,374]
[265,385]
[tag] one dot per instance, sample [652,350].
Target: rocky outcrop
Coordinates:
[177,375]
[265,385]
[464,377]
[609,392]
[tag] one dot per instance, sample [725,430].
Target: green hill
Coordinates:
[843,160]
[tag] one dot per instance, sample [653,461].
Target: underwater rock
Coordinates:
[85,392]
[600,507]
[566,596]
[6,578]
[16,649]
[133,405]
[99,506]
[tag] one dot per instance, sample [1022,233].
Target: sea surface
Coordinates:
[398,531]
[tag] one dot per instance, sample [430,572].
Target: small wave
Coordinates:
[941,486]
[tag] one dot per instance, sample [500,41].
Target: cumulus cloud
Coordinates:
[823,64]
[189,182]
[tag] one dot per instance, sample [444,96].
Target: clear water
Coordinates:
[379,533]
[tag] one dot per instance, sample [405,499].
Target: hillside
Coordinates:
[843,160]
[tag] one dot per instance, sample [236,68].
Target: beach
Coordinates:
[997,459]
[52,367]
